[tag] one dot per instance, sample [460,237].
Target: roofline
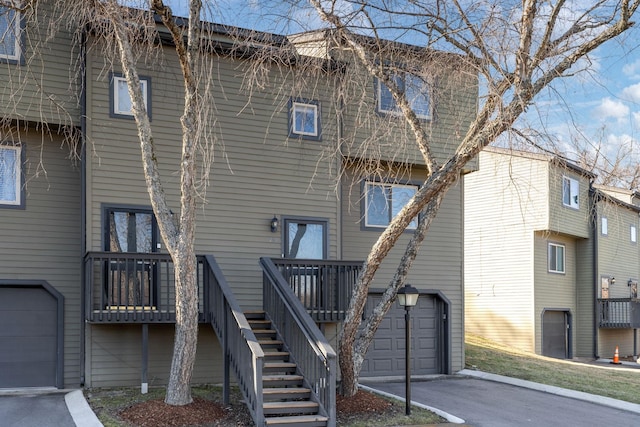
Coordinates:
[548,157]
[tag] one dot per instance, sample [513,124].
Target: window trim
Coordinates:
[633,234]
[20,203]
[574,200]
[365,225]
[305,103]
[107,209]
[286,219]
[396,112]
[113,96]
[564,258]
[18,28]
[604,226]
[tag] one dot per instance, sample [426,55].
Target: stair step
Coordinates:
[279,367]
[254,314]
[263,333]
[295,407]
[299,420]
[260,323]
[281,380]
[286,393]
[276,355]
[270,343]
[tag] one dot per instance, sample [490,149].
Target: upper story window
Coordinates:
[570,192]
[11,177]
[9,34]
[120,100]
[304,118]
[415,88]
[383,201]
[604,226]
[556,258]
[633,233]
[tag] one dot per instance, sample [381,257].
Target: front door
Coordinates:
[131,280]
[307,239]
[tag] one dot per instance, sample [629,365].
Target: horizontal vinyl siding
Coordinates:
[617,256]
[583,319]
[505,200]
[553,290]
[44,88]
[116,356]
[42,242]
[368,134]
[258,172]
[564,219]
[609,339]
[439,262]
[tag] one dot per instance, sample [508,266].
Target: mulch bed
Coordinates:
[156,413]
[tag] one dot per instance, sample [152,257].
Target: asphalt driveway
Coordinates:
[487,403]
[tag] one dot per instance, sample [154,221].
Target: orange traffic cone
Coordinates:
[616,357]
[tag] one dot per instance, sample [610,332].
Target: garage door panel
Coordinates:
[28,336]
[13,375]
[386,355]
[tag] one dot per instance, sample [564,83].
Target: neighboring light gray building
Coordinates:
[550,258]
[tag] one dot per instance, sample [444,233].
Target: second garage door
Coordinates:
[28,337]
[386,355]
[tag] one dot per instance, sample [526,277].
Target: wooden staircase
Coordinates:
[286,400]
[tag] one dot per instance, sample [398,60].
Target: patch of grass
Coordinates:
[615,382]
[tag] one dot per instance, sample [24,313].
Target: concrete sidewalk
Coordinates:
[45,407]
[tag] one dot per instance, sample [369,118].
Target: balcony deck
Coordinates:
[618,313]
[135,288]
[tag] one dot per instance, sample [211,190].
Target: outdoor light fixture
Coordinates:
[407,297]
[613,280]
[274,224]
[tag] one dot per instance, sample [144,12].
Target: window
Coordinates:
[11,177]
[415,89]
[556,258]
[305,238]
[570,192]
[9,34]
[604,226]
[121,101]
[383,201]
[130,230]
[634,234]
[304,119]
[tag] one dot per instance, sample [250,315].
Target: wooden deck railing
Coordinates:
[324,287]
[308,347]
[241,350]
[618,313]
[135,288]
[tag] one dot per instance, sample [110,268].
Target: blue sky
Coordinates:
[601,106]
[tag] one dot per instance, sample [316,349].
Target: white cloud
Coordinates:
[611,108]
[632,69]
[631,93]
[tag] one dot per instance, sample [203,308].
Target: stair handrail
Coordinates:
[323,384]
[241,350]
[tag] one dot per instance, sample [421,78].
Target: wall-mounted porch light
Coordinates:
[274,224]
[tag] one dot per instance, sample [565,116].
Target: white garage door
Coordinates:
[28,337]
[386,355]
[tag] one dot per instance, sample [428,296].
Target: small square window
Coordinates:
[10,36]
[416,90]
[604,226]
[634,234]
[11,177]
[121,101]
[570,192]
[384,201]
[304,119]
[556,258]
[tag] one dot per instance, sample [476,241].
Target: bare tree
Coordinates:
[516,49]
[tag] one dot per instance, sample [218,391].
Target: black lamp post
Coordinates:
[407,297]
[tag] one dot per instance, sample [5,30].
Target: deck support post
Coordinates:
[227,361]
[144,388]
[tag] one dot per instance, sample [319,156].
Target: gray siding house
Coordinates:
[540,272]
[86,286]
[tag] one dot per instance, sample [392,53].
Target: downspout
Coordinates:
[83,198]
[594,230]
